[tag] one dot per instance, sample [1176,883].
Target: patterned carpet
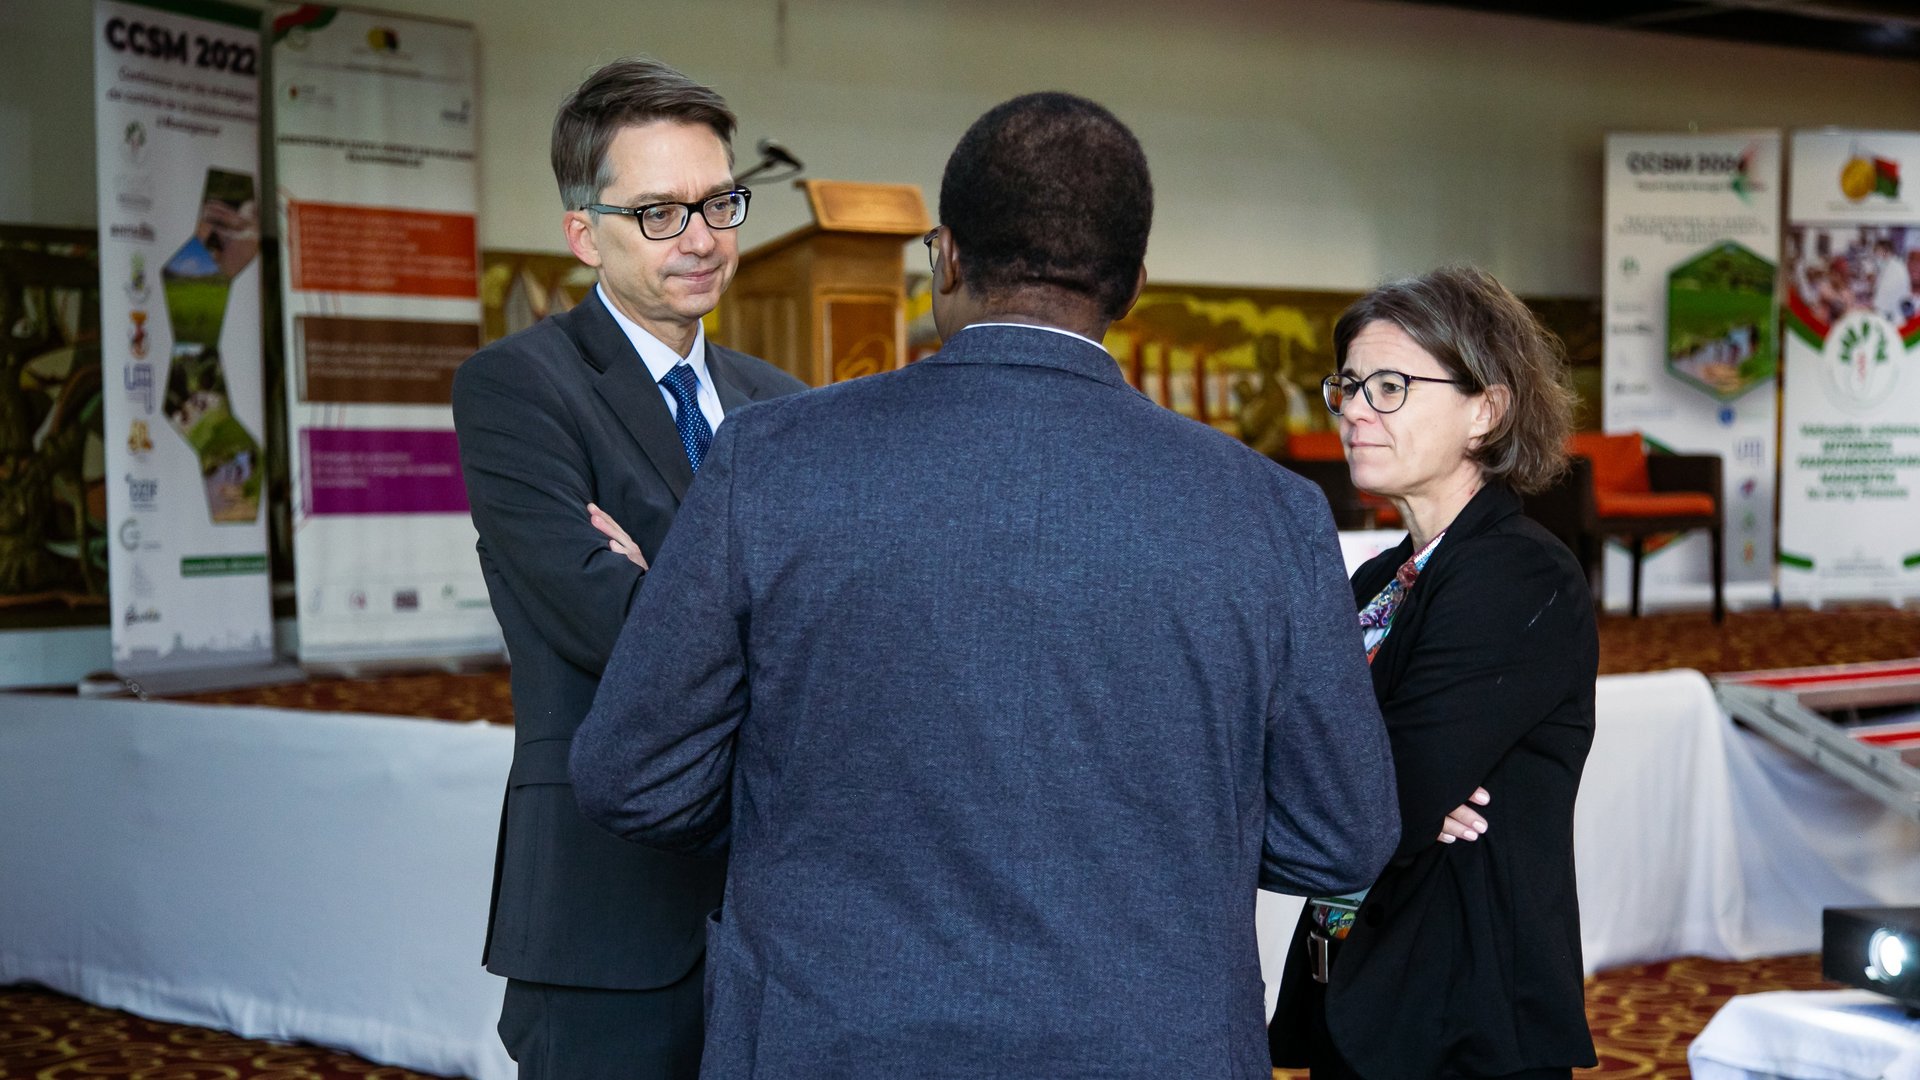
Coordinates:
[1643,1017]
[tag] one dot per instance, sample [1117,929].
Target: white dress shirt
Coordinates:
[1035,326]
[661,359]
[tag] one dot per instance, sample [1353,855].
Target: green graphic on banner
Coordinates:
[222,565]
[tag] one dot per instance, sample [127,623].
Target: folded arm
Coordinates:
[528,477]
[1491,661]
[653,760]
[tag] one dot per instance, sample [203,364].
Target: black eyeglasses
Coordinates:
[666,220]
[933,261]
[1385,390]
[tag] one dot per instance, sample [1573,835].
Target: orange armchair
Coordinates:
[1616,489]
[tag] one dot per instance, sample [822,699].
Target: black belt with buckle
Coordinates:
[1319,955]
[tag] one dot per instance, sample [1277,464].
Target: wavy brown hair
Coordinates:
[1484,336]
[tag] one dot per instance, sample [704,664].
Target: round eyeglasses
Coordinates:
[933,257]
[1385,390]
[666,220]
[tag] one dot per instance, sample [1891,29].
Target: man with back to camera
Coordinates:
[1005,687]
[613,404]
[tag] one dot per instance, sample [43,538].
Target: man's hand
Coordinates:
[1462,823]
[622,544]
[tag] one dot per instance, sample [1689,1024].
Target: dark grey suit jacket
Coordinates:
[550,418]
[1007,688]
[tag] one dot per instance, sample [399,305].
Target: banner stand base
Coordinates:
[194,680]
[373,667]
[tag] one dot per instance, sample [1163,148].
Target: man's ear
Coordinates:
[946,269]
[579,229]
[1139,283]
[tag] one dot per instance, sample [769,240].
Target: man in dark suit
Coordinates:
[612,403]
[1005,687]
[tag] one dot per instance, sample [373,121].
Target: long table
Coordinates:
[324,877]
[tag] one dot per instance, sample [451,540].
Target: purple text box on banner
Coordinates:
[361,471]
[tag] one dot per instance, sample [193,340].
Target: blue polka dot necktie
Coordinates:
[695,434]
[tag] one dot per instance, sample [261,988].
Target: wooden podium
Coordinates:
[827,302]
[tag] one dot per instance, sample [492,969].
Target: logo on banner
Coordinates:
[134,191]
[138,377]
[137,337]
[1711,164]
[142,494]
[139,442]
[139,234]
[135,616]
[1867,174]
[308,94]
[1861,353]
[138,285]
[383,39]
[133,143]
[406,600]
[129,534]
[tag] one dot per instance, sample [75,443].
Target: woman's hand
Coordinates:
[1462,823]
[622,544]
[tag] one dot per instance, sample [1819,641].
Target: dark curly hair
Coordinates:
[1049,190]
[632,90]
[1484,336]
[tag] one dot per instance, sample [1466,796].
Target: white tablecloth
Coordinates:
[325,877]
[1816,1035]
[285,875]
[1693,837]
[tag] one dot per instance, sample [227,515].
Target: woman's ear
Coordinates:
[1492,409]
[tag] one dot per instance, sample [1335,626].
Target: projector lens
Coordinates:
[1886,955]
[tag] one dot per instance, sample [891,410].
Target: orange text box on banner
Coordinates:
[369,249]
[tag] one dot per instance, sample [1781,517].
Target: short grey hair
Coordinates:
[631,90]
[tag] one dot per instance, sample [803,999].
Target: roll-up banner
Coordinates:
[374,136]
[1850,471]
[177,95]
[1691,341]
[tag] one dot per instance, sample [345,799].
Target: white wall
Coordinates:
[1322,144]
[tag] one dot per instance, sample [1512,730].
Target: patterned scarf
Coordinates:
[1376,619]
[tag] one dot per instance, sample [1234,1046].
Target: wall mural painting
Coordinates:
[1250,361]
[53,543]
[519,288]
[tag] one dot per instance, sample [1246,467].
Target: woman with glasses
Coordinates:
[1463,959]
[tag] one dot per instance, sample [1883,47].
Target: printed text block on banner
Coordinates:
[380,361]
[368,249]
[361,471]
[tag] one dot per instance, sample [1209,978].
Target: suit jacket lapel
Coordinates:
[623,383]
[726,381]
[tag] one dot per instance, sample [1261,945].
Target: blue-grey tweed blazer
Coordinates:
[1006,688]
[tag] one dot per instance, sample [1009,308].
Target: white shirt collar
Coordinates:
[1048,329]
[656,354]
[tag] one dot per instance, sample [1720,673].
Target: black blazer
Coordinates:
[1465,958]
[549,418]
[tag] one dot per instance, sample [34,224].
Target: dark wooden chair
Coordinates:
[1615,489]
[1317,456]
